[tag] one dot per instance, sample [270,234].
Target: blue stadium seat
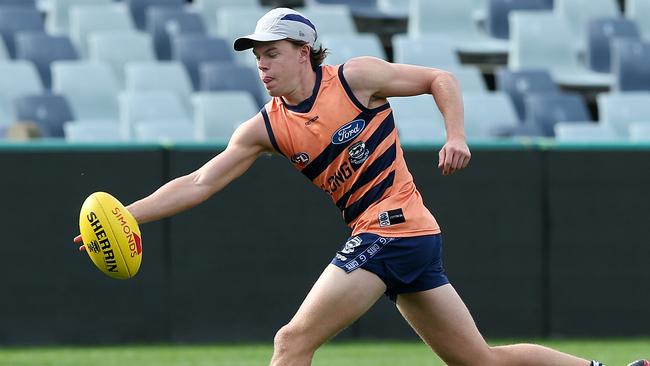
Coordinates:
[193,49]
[620,110]
[639,12]
[18,19]
[545,110]
[139,8]
[4,54]
[48,111]
[132,46]
[217,114]
[577,14]
[630,64]
[42,49]
[208,9]
[58,19]
[90,87]
[601,32]
[94,131]
[22,3]
[86,20]
[216,76]
[18,78]
[429,50]
[584,132]
[496,20]
[164,23]
[518,84]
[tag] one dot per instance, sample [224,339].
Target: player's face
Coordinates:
[277,63]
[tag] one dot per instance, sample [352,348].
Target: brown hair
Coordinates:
[316,57]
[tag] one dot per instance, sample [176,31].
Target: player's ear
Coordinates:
[305,52]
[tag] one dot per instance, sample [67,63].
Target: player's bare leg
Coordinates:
[442,320]
[335,301]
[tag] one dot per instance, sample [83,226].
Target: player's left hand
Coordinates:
[453,156]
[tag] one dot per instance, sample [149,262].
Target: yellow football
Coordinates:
[111,236]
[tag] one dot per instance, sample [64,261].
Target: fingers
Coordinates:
[453,158]
[82,248]
[77,239]
[441,157]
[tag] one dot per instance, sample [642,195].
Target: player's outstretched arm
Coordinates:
[248,141]
[373,80]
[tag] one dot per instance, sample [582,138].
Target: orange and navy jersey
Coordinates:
[353,154]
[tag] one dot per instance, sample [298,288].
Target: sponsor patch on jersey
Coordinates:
[358,152]
[391,217]
[348,131]
[301,159]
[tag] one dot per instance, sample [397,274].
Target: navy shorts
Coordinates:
[409,264]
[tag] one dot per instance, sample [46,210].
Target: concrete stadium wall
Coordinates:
[538,243]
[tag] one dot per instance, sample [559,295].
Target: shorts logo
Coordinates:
[391,217]
[351,244]
[301,159]
[348,131]
[341,257]
[358,153]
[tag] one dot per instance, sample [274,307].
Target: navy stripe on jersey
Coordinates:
[269,130]
[383,162]
[331,152]
[373,195]
[381,133]
[354,99]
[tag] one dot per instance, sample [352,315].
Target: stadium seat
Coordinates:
[545,110]
[630,64]
[208,9]
[164,23]
[601,32]
[132,47]
[417,131]
[489,115]
[541,39]
[58,21]
[159,76]
[584,132]
[496,20]
[22,3]
[640,132]
[620,110]
[92,131]
[4,54]
[89,86]
[577,14]
[454,19]
[470,79]
[331,20]
[639,12]
[518,84]
[344,47]
[429,50]
[86,20]
[48,111]
[217,114]
[217,76]
[418,120]
[233,22]
[358,8]
[42,49]
[193,49]
[18,19]
[139,8]
[18,78]
[164,131]
[151,106]
[395,7]
[416,107]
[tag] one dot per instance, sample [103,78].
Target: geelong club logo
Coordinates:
[348,131]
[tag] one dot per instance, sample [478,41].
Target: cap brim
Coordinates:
[246,42]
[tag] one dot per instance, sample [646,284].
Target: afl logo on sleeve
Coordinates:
[300,159]
[348,131]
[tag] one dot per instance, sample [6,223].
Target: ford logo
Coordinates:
[348,131]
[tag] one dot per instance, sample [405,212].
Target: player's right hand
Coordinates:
[77,240]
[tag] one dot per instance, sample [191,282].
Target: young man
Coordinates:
[335,125]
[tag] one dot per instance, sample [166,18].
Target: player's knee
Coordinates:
[288,340]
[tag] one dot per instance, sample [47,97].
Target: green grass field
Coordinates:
[611,352]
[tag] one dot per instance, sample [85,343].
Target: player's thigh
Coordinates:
[442,320]
[335,301]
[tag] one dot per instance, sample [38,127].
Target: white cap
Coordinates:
[277,24]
